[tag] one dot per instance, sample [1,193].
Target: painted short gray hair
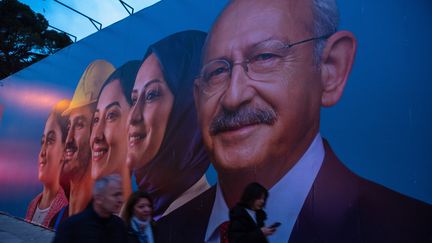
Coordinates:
[101,183]
[326,21]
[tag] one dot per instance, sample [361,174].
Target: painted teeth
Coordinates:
[97,154]
[70,151]
[134,138]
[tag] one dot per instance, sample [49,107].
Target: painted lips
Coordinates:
[69,152]
[99,153]
[135,138]
[42,163]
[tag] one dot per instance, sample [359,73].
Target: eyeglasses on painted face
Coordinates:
[264,61]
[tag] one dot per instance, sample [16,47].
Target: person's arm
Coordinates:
[238,233]
[261,217]
[267,230]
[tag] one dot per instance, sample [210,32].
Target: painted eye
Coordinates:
[152,94]
[95,120]
[111,116]
[264,56]
[265,61]
[50,139]
[215,72]
[80,125]
[134,100]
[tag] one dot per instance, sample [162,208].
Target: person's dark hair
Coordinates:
[126,75]
[252,192]
[133,199]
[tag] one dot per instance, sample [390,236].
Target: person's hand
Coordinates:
[268,231]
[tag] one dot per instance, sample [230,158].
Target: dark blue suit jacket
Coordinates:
[340,207]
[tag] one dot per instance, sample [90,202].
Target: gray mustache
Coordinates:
[231,120]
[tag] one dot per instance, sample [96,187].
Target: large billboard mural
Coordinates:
[192,101]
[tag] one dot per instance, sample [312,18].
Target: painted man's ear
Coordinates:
[336,62]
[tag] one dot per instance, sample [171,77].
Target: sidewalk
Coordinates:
[16,230]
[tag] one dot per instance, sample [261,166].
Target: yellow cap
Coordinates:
[89,85]
[61,106]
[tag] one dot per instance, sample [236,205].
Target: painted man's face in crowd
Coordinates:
[77,148]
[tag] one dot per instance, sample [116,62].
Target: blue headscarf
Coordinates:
[181,160]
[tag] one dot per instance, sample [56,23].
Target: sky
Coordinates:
[106,12]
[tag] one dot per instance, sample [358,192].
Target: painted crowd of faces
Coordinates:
[122,132]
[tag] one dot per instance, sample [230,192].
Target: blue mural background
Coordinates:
[380,128]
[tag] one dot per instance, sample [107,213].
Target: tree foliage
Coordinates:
[24,38]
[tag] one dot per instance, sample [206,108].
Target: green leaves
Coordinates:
[24,38]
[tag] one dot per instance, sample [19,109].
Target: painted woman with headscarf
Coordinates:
[165,149]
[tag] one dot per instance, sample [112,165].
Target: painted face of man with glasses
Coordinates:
[261,87]
[268,68]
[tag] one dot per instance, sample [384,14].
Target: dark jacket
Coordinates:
[87,226]
[243,229]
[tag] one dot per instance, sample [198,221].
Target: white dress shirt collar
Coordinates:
[285,200]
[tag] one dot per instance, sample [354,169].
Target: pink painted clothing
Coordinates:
[60,201]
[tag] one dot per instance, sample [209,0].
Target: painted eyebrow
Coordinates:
[79,118]
[247,48]
[115,103]
[148,84]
